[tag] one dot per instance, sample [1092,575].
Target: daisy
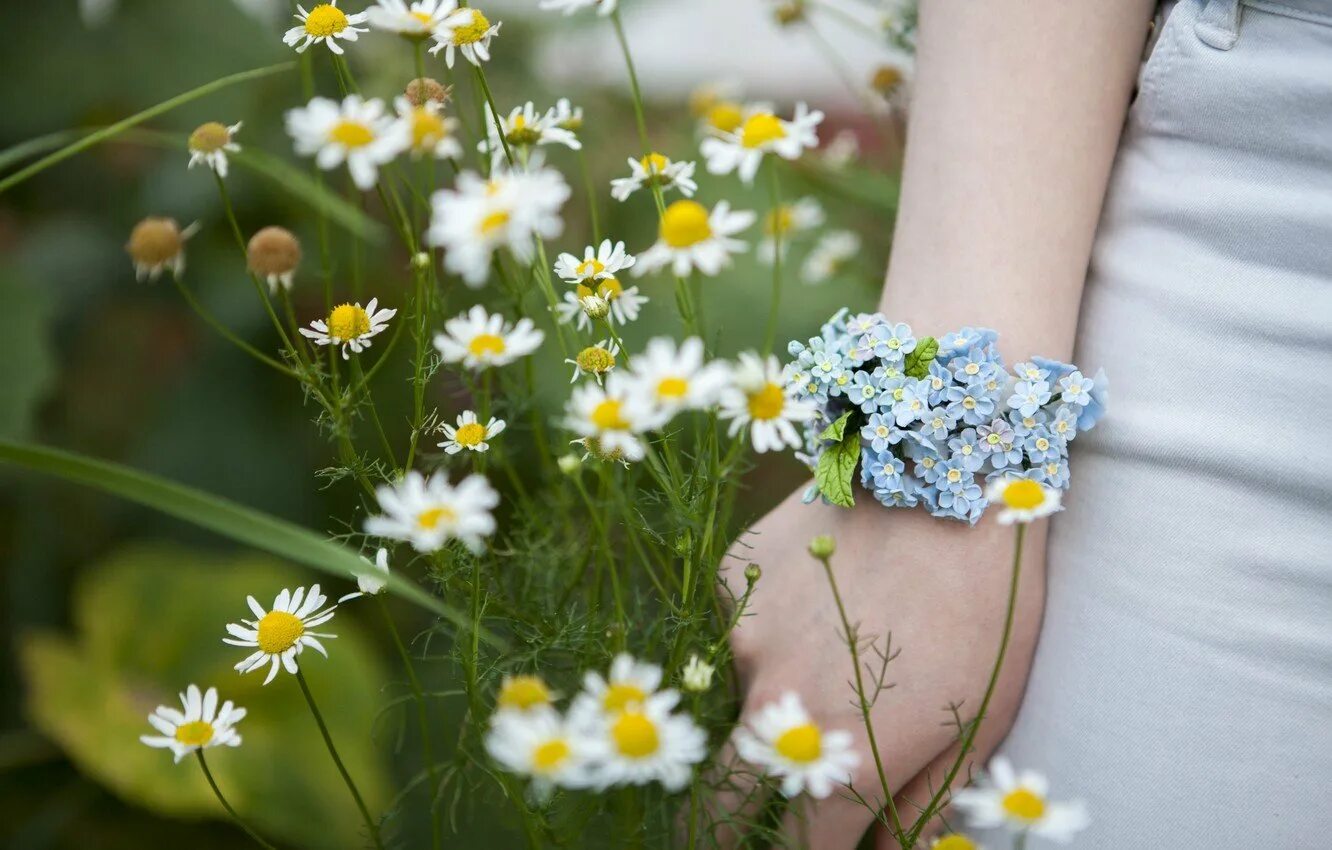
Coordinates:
[478,216]
[742,149]
[524,128]
[210,143]
[356,131]
[544,746]
[1019,801]
[717,106]
[568,116]
[609,418]
[158,244]
[655,169]
[595,360]
[672,379]
[326,23]
[201,725]
[273,255]
[761,399]
[466,31]
[622,305]
[647,742]
[418,21]
[350,326]
[1023,499]
[693,238]
[786,222]
[371,580]
[629,683]
[786,742]
[479,340]
[568,7]
[282,633]
[470,433]
[429,512]
[427,131]
[829,254]
[597,264]
[520,694]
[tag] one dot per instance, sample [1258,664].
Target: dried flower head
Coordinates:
[273,254]
[423,90]
[886,79]
[156,244]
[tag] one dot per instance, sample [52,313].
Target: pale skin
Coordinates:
[1016,112]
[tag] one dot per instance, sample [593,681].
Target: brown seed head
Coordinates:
[209,137]
[273,251]
[154,242]
[886,79]
[424,89]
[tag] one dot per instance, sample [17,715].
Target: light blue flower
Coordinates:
[1041,445]
[970,404]
[1029,396]
[879,432]
[909,401]
[903,497]
[937,424]
[1031,372]
[863,323]
[825,364]
[1077,389]
[939,380]
[865,388]
[928,467]
[964,447]
[885,471]
[960,499]
[1023,425]
[1100,397]
[953,476]
[1065,423]
[893,342]
[992,437]
[1056,368]
[1053,472]
[974,367]
[960,342]
[839,383]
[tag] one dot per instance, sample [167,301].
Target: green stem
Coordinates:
[212,783]
[240,243]
[226,332]
[337,760]
[590,187]
[495,114]
[774,307]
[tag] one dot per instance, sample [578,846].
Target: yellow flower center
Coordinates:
[325,20]
[635,735]
[424,19]
[968,402]
[279,631]
[595,359]
[428,128]
[971,368]
[473,32]
[483,345]
[524,692]
[685,223]
[726,116]
[351,134]
[588,268]
[801,744]
[607,416]
[610,289]
[779,221]
[210,137]
[549,756]
[993,439]
[431,518]
[1023,805]
[493,222]
[927,462]
[655,163]
[954,476]
[1042,444]
[348,321]
[471,434]
[196,733]
[768,402]
[521,133]
[760,129]
[954,842]
[1024,494]
[621,695]
[672,388]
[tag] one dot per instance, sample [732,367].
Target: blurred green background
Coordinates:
[109,609]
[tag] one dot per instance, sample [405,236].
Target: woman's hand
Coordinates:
[936,586]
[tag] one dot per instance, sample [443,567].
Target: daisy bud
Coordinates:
[273,254]
[886,79]
[823,547]
[423,90]
[753,572]
[683,544]
[697,675]
[421,260]
[595,307]
[570,464]
[156,244]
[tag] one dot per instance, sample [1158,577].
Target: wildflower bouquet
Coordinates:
[572,565]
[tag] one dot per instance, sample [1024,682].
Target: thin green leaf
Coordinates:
[99,136]
[222,516]
[836,471]
[833,433]
[12,156]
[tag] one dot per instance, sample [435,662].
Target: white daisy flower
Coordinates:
[1020,802]
[761,399]
[524,128]
[420,20]
[693,238]
[787,222]
[609,418]
[371,580]
[671,379]
[786,742]
[647,742]
[568,116]
[521,694]
[466,31]
[655,169]
[356,131]
[596,361]
[201,725]
[470,433]
[742,149]
[429,512]
[544,746]
[350,326]
[696,677]
[282,633]
[427,130]
[326,23]
[719,108]
[597,264]
[158,244]
[628,683]
[1024,500]
[569,7]
[478,216]
[829,254]
[480,340]
[623,305]
[210,143]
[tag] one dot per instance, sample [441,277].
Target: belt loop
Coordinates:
[1218,24]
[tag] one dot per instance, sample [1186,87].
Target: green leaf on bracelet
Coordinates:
[837,469]
[833,433]
[918,361]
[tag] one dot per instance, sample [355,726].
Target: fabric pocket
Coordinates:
[1173,18]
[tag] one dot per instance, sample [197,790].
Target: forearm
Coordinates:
[1015,117]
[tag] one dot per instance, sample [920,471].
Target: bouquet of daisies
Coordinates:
[929,422]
